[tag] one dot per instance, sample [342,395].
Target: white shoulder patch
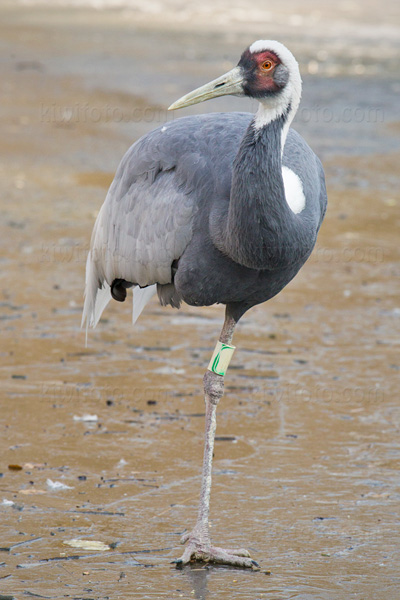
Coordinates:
[293,190]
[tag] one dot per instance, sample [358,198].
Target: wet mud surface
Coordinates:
[104,444]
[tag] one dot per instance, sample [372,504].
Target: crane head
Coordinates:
[267,70]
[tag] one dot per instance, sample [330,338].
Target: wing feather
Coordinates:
[145,222]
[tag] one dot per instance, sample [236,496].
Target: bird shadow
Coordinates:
[198,573]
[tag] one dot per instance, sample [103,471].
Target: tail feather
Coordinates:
[103,297]
[97,298]
[141,297]
[91,289]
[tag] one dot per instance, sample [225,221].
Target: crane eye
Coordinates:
[267,65]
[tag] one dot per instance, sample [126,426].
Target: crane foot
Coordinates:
[203,551]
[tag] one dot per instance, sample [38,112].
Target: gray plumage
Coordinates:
[166,214]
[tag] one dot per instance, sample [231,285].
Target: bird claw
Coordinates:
[177,562]
[197,550]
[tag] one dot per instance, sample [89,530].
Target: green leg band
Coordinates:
[221,358]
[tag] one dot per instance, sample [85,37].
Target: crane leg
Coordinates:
[198,543]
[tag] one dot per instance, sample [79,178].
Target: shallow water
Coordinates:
[306,468]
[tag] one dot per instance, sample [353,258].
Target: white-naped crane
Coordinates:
[216,208]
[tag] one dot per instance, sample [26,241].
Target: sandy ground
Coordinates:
[307,455]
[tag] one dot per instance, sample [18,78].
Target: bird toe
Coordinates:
[238,552]
[185,537]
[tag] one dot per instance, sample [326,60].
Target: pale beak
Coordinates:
[228,84]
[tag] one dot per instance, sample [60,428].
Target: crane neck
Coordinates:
[259,230]
[267,114]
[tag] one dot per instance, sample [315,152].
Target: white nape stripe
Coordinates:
[293,190]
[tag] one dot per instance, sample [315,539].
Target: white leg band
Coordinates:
[221,358]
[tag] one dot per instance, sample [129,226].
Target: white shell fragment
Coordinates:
[7,502]
[86,418]
[87,545]
[57,485]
